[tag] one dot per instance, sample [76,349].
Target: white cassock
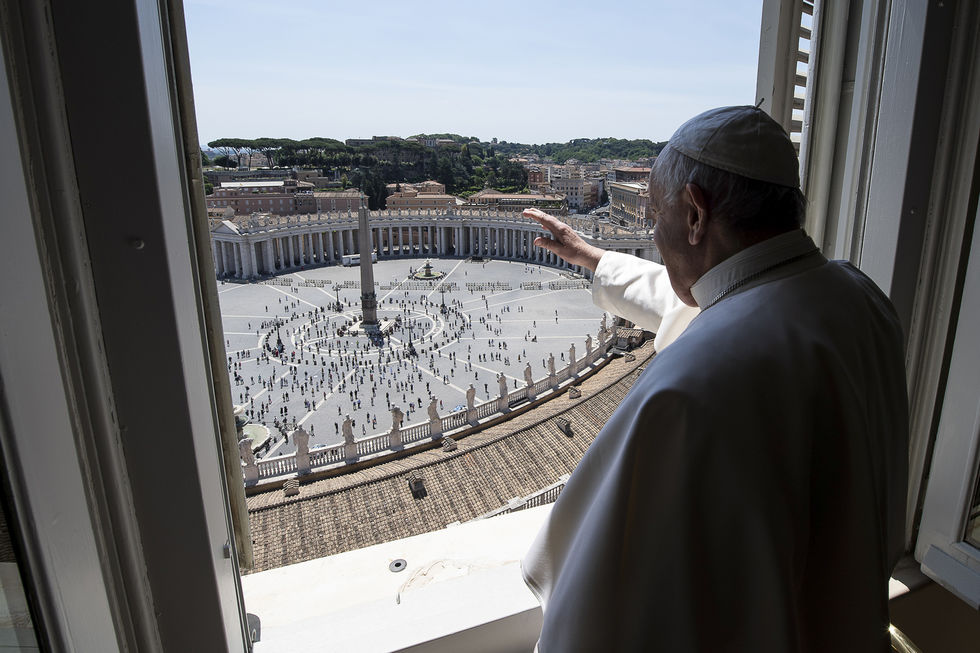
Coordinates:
[749,492]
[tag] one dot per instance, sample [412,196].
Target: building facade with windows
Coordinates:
[628,203]
[553,203]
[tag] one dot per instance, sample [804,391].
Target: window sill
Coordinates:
[461,590]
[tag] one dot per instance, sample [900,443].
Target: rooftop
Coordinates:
[253,184]
[374,505]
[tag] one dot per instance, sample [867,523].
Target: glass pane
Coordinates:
[16,627]
[973,518]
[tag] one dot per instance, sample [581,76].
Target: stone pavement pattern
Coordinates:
[321,377]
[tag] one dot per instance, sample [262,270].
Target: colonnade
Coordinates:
[264,251]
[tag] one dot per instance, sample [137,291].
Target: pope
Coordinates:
[749,492]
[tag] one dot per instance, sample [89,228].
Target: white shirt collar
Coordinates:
[737,270]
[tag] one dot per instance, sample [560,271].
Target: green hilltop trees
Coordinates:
[465,166]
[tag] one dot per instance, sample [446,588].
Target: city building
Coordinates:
[628,203]
[581,193]
[537,176]
[412,199]
[283,197]
[343,200]
[548,202]
[218,177]
[631,174]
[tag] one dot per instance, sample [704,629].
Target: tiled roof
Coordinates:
[374,505]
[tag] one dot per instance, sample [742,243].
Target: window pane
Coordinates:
[973,519]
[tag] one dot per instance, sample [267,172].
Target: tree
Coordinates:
[270,148]
[604,197]
[225,161]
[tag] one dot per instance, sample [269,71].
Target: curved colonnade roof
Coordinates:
[373,505]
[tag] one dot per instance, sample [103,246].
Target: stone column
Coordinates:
[292,252]
[219,258]
[214,257]
[254,259]
[391,251]
[369,303]
[248,259]
[236,255]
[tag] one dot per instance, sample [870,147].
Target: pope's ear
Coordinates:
[697,214]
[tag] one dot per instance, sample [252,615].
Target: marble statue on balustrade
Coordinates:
[502,384]
[302,441]
[435,423]
[588,345]
[571,357]
[245,451]
[470,404]
[250,470]
[551,364]
[602,325]
[528,375]
[396,418]
[348,430]
[602,337]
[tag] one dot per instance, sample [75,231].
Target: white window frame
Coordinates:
[127,545]
[891,188]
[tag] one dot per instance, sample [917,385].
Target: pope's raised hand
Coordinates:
[564,241]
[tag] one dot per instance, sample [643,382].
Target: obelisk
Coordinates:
[369,301]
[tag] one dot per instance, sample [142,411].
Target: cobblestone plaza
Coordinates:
[499,316]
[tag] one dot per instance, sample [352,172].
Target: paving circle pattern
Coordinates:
[292,360]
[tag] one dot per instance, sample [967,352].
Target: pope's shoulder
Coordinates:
[789,322]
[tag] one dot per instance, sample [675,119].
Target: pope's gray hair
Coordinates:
[744,204]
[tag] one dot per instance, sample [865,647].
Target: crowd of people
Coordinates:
[305,357]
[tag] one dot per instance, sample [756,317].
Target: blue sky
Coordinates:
[530,72]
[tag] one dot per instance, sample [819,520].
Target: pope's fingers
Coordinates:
[546,243]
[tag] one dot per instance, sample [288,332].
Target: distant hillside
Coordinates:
[587,150]
[464,166]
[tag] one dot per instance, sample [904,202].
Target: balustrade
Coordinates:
[286,464]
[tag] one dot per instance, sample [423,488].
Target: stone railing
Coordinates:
[305,460]
[542,497]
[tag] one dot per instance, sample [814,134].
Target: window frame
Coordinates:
[128,546]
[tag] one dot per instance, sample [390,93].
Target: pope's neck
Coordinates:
[724,244]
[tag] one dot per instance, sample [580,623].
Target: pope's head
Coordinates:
[728,179]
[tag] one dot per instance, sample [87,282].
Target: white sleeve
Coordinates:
[640,291]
